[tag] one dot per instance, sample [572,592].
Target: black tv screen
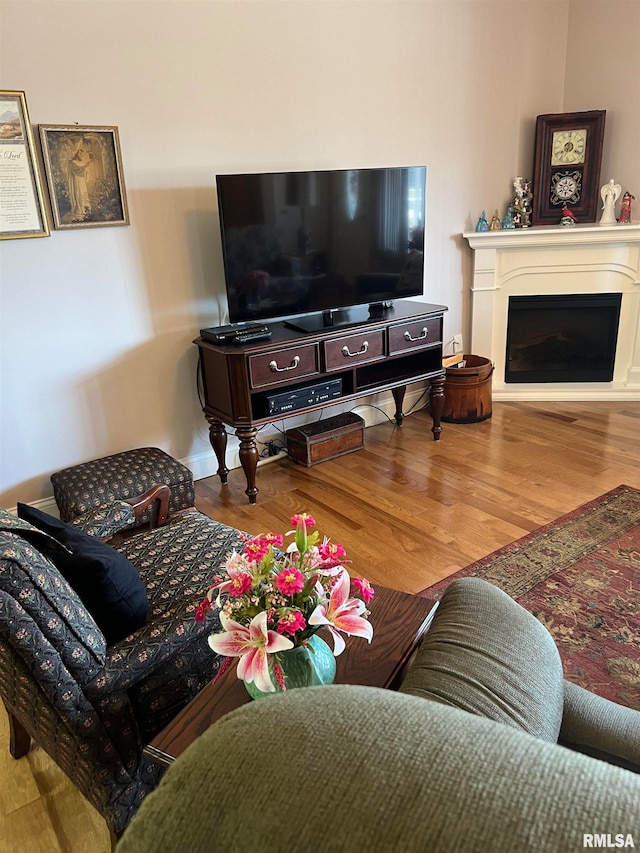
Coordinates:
[315,243]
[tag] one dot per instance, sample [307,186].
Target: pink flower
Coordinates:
[332,552]
[201,610]
[256,549]
[363,588]
[252,645]
[290,581]
[239,585]
[291,622]
[342,613]
[303,518]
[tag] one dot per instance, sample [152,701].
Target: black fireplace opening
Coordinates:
[562,338]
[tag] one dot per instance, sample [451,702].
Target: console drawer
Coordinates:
[285,365]
[414,335]
[354,349]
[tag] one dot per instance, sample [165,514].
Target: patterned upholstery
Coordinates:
[90,706]
[123,475]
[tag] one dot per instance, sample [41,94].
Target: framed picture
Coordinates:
[568,156]
[22,212]
[84,173]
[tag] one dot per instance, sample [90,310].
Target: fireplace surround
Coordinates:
[557,262]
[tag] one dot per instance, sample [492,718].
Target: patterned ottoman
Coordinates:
[121,476]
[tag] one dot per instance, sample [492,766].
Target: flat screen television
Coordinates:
[321,248]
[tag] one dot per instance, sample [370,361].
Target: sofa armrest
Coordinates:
[138,656]
[105,521]
[601,728]
[156,502]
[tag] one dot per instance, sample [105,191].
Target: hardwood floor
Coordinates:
[408,510]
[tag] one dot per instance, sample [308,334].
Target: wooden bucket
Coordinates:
[467,391]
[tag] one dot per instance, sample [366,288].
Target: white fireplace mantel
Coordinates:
[554,260]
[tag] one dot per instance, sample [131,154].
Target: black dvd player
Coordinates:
[300,398]
[231,333]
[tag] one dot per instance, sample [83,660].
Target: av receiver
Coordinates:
[300,398]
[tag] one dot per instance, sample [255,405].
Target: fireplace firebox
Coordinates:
[568,338]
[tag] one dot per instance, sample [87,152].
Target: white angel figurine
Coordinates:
[609,193]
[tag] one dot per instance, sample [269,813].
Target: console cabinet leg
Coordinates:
[398,396]
[436,403]
[249,456]
[218,439]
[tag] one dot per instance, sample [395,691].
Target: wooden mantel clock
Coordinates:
[568,156]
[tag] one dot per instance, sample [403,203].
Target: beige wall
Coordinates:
[603,38]
[97,324]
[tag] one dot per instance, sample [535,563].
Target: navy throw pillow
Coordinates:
[108,584]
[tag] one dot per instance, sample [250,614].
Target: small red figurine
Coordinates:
[625,210]
[568,216]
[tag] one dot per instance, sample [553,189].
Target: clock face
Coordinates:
[568,147]
[565,187]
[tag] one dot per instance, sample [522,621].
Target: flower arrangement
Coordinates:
[273,600]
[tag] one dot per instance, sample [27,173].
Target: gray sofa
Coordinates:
[465,758]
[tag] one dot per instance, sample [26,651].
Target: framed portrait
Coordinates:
[84,174]
[22,211]
[566,170]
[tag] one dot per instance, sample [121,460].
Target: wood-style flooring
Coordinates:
[408,510]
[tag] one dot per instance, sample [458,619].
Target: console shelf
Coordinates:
[248,385]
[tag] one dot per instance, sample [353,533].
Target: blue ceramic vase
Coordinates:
[303,666]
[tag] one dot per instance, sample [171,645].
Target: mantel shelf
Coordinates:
[554,235]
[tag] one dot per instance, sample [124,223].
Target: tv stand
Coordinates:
[244,384]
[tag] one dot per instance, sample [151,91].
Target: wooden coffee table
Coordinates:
[399,621]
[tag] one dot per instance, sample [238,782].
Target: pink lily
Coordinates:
[252,645]
[342,613]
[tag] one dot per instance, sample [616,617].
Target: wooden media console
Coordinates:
[248,385]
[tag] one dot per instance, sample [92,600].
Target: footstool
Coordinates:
[124,475]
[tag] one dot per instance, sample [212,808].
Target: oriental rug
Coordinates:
[580,576]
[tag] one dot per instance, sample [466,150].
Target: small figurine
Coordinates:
[522,202]
[482,225]
[568,216]
[609,193]
[507,222]
[625,210]
[495,225]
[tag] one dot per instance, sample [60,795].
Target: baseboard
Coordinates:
[47,505]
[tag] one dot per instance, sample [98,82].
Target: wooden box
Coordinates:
[323,440]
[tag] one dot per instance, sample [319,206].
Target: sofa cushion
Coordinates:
[108,584]
[486,654]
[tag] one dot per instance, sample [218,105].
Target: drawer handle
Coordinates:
[273,365]
[421,337]
[347,352]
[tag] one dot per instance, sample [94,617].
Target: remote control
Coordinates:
[246,337]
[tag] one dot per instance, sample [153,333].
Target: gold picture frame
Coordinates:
[22,210]
[83,166]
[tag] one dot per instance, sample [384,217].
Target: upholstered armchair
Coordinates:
[92,703]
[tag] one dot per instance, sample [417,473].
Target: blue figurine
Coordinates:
[482,225]
[508,221]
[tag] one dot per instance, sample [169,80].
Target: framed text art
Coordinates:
[22,212]
[84,173]
[566,171]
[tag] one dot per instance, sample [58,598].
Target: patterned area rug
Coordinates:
[580,576]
